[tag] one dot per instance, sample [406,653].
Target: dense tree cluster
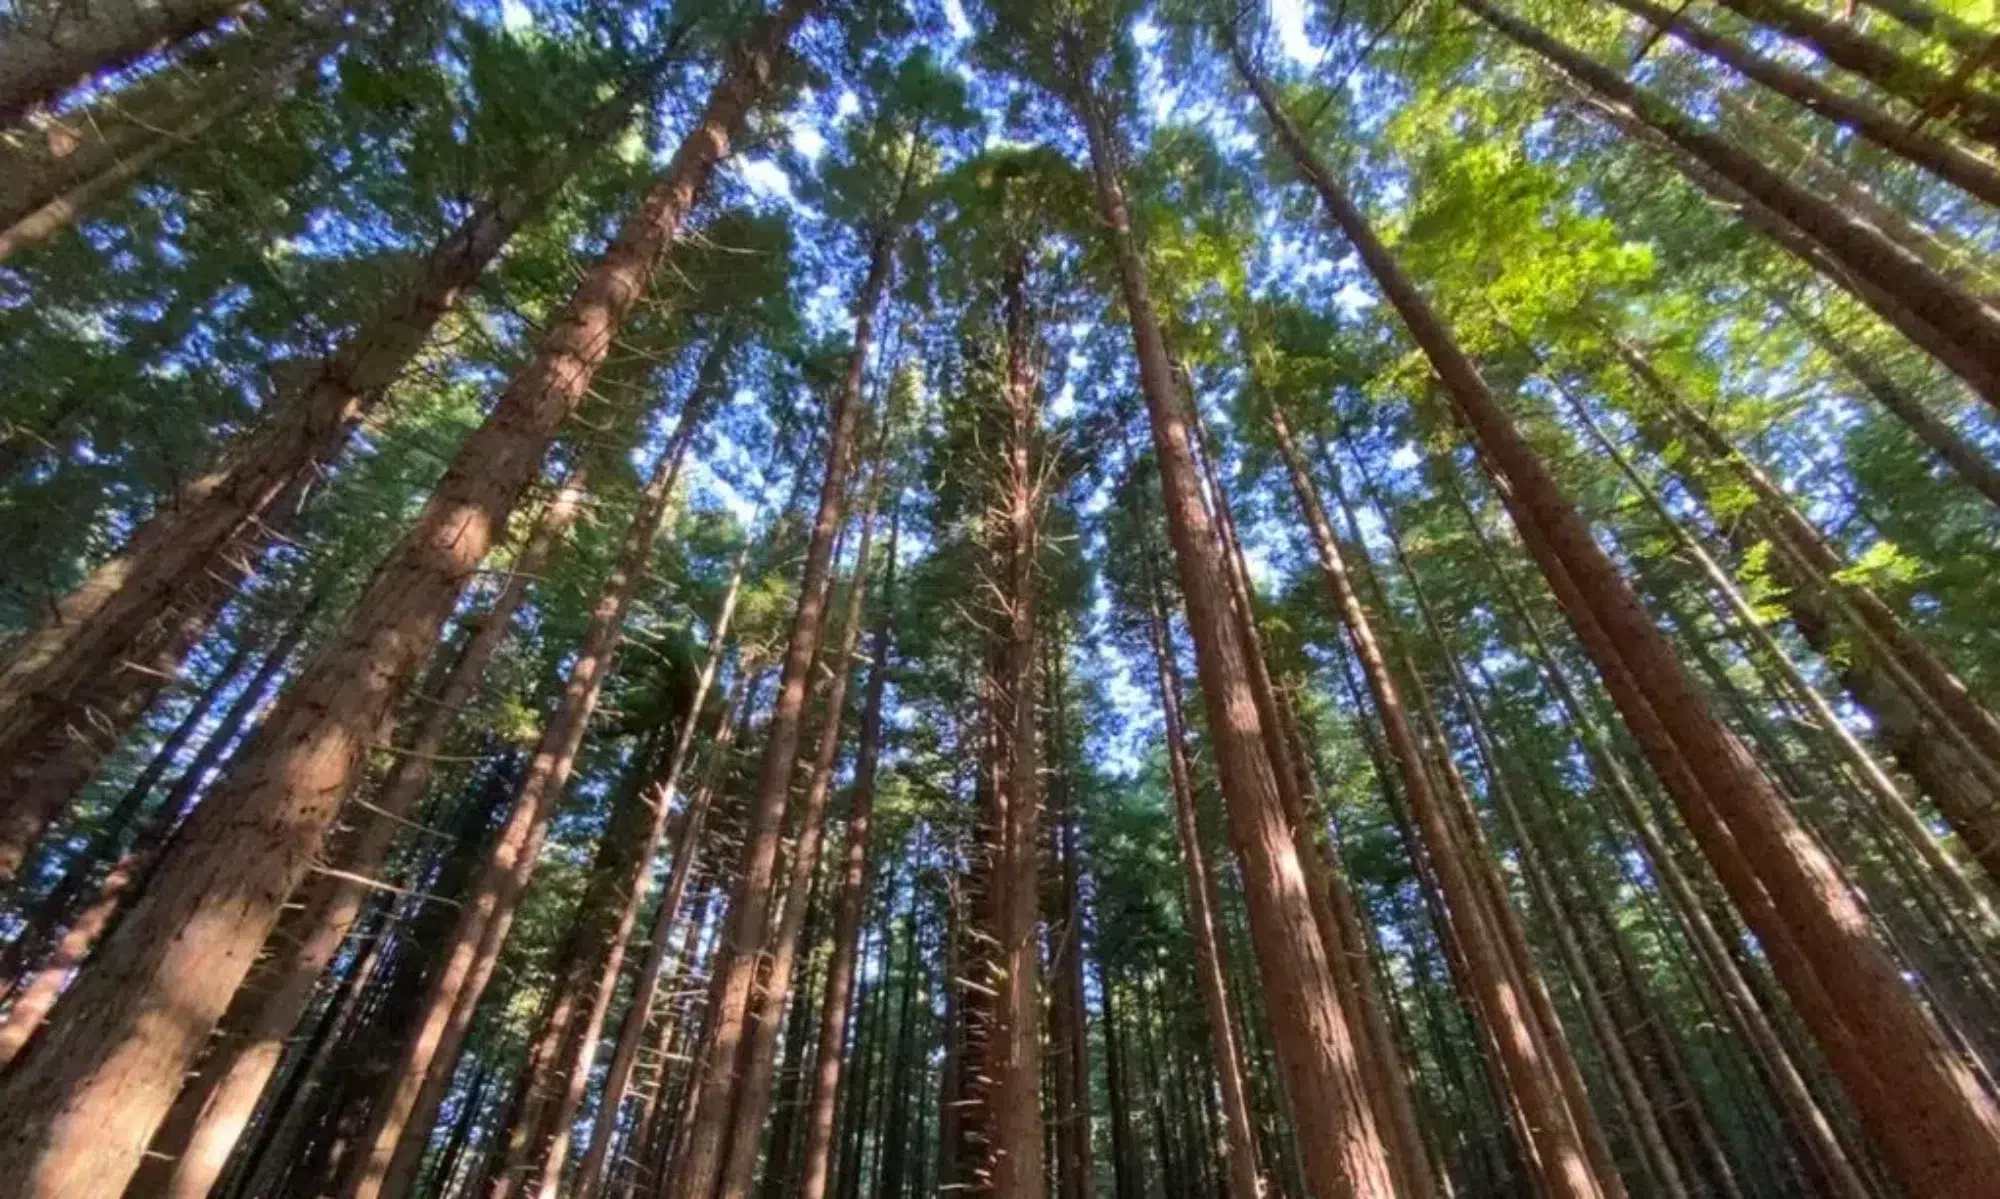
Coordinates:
[1368,598]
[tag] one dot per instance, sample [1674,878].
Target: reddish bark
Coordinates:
[1940,1130]
[79,1109]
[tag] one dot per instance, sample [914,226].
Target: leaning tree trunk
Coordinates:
[1561,1151]
[1920,1101]
[1962,330]
[1934,154]
[856,880]
[200,1132]
[1316,1047]
[79,1109]
[152,600]
[1241,1135]
[1840,43]
[402,1123]
[699,1169]
[45,50]
[753,1102]
[77,161]
[632,1030]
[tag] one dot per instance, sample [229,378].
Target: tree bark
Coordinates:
[1345,1152]
[49,49]
[1978,112]
[1245,1180]
[79,1110]
[753,1101]
[1965,459]
[631,1031]
[856,880]
[1967,327]
[698,1172]
[79,161]
[1940,1130]
[1561,1152]
[1940,157]
[153,599]
[403,1122]
[201,1130]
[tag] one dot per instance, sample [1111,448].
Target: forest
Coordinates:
[863,599]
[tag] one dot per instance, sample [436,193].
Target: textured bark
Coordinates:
[753,1101]
[1069,1030]
[1244,1176]
[30,1003]
[697,1172]
[80,1108]
[57,172]
[1316,1047]
[1940,1130]
[1962,330]
[1561,1151]
[856,880]
[1935,95]
[1773,1057]
[48,49]
[1934,154]
[152,600]
[403,1121]
[632,1030]
[201,1130]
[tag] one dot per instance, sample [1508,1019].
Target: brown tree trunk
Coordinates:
[152,600]
[50,49]
[31,1002]
[87,158]
[759,1065]
[1967,327]
[1562,1151]
[1316,1047]
[1934,154]
[210,1113]
[856,881]
[417,1088]
[632,1030]
[698,1171]
[1245,1179]
[1978,112]
[1920,1101]
[1069,1031]
[79,1110]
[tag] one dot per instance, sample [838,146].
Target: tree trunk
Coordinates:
[753,1100]
[1919,1099]
[1967,460]
[87,158]
[49,49]
[1978,112]
[1567,1161]
[632,1030]
[697,1173]
[31,1002]
[152,600]
[1966,327]
[1316,1047]
[403,1122]
[210,1113]
[1069,1031]
[79,1110]
[856,880]
[1934,154]
[1245,1181]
